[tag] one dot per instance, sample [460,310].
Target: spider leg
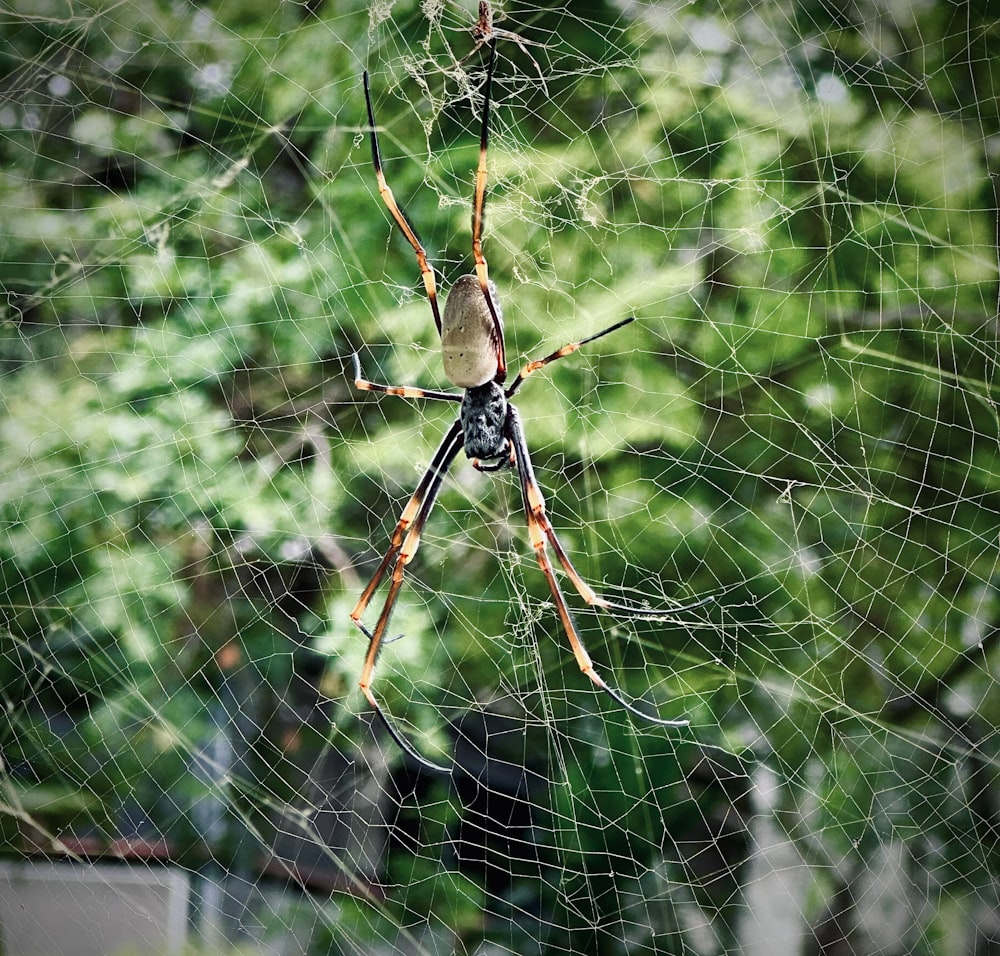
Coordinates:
[498,464]
[586,591]
[568,349]
[484,31]
[598,600]
[403,743]
[403,391]
[536,504]
[405,226]
[402,548]
[541,534]
[420,501]
[501,34]
[478,206]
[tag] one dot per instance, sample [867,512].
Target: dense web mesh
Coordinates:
[796,202]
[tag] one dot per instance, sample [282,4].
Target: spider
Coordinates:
[484,32]
[488,429]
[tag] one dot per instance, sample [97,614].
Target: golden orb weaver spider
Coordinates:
[489,430]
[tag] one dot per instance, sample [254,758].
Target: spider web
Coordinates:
[796,203]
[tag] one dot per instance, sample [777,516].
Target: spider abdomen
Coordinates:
[484,417]
[469,341]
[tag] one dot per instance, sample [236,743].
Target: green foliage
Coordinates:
[802,421]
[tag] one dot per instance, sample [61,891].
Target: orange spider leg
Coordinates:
[405,226]
[402,548]
[540,533]
[426,492]
[478,207]
[568,349]
[585,590]
[403,391]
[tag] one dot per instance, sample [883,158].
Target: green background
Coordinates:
[798,205]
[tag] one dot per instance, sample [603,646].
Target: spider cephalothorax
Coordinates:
[484,420]
[488,429]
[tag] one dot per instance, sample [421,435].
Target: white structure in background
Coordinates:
[70,909]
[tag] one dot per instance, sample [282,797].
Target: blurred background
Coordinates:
[797,202]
